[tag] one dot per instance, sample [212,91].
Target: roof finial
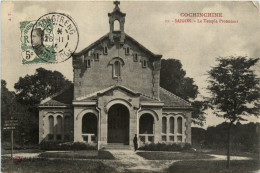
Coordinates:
[116,7]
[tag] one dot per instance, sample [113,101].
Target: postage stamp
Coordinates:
[53,38]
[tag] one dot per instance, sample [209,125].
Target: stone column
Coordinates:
[103,127]
[175,128]
[42,129]
[168,126]
[77,126]
[132,125]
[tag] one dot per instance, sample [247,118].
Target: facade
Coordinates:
[115,95]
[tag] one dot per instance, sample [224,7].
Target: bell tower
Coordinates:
[116,22]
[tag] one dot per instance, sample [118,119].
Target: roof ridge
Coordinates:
[151,97]
[94,93]
[54,95]
[91,45]
[179,98]
[107,35]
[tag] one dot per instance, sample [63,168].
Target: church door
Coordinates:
[118,124]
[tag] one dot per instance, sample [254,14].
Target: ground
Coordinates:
[125,161]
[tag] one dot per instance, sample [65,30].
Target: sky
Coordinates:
[196,45]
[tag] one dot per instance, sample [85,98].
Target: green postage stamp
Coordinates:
[29,40]
[52,38]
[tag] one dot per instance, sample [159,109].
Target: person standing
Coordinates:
[135,142]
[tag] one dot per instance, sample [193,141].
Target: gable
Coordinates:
[128,38]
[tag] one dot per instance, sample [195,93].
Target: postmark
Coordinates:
[53,38]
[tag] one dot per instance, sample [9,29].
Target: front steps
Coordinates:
[117,146]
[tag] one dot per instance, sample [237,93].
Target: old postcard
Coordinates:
[130,86]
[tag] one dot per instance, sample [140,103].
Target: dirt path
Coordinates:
[131,162]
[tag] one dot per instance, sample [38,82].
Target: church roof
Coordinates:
[100,40]
[94,96]
[65,97]
[170,100]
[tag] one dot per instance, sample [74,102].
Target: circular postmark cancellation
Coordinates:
[54,37]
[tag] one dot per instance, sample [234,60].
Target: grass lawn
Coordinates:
[209,166]
[44,165]
[82,154]
[172,155]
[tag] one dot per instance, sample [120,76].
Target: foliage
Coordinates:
[27,122]
[87,154]
[173,79]
[166,147]
[31,89]
[235,88]
[198,114]
[245,137]
[54,145]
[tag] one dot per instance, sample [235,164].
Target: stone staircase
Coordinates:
[117,146]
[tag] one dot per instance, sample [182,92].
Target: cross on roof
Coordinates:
[116,3]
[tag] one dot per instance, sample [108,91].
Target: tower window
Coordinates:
[144,63]
[135,57]
[105,50]
[96,56]
[88,63]
[116,69]
[127,50]
[116,25]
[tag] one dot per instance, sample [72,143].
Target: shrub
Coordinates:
[166,147]
[52,145]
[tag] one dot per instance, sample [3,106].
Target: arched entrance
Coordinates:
[118,124]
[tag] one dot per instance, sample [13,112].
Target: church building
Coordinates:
[115,95]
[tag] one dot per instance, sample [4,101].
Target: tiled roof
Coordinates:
[171,100]
[63,98]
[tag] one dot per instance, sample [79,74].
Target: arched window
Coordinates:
[179,121]
[171,125]
[59,128]
[164,126]
[89,124]
[146,124]
[116,25]
[51,127]
[116,69]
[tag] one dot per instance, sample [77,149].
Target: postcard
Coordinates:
[130,86]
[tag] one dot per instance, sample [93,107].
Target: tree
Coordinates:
[235,91]
[31,89]
[11,108]
[173,78]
